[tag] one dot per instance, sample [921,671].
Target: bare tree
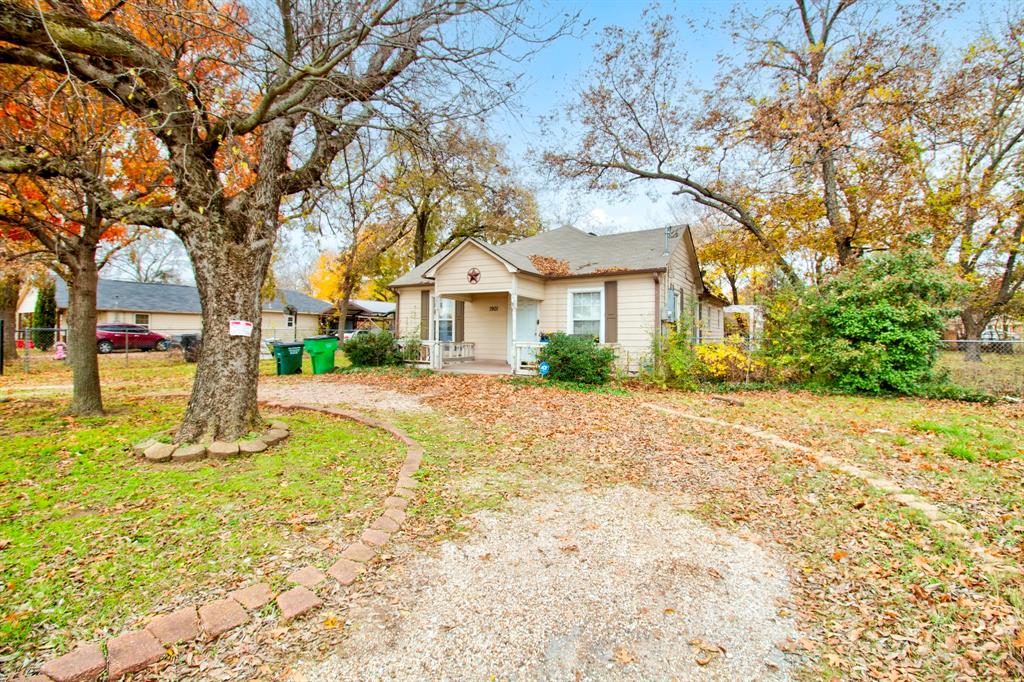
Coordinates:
[806,107]
[970,174]
[154,256]
[253,105]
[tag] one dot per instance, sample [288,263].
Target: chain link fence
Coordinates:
[991,346]
[39,348]
[994,365]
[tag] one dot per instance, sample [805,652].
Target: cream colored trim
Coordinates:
[429,273]
[568,307]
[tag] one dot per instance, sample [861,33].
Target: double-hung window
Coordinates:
[585,313]
[446,320]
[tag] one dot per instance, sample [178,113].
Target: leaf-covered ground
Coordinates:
[1000,373]
[880,594]
[91,536]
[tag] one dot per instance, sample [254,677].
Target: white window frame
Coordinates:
[443,302]
[289,321]
[141,324]
[570,322]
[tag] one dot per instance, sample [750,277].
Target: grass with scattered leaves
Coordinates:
[877,589]
[91,535]
[998,373]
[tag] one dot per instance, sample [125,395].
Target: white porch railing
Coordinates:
[457,351]
[434,354]
[524,360]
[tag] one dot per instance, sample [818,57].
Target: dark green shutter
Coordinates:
[460,316]
[424,314]
[611,312]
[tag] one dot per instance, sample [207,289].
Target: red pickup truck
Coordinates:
[117,336]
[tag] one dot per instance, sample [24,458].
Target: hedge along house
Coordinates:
[484,307]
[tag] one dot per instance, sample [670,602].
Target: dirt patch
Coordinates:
[608,585]
[326,391]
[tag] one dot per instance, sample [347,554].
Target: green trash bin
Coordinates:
[321,351]
[289,358]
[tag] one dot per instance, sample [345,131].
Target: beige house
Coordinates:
[172,309]
[484,307]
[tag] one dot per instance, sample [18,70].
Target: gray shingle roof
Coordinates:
[584,252]
[115,294]
[372,307]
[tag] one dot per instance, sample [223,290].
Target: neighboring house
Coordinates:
[362,313]
[171,309]
[493,305]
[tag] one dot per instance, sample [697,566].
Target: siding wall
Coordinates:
[409,312]
[451,277]
[530,287]
[273,324]
[714,323]
[636,312]
[487,328]
[681,276]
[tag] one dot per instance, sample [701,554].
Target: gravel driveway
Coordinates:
[613,584]
[328,391]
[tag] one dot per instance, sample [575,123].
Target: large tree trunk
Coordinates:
[419,241]
[10,287]
[974,324]
[733,289]
[229,275]
[86,398]
[845,253]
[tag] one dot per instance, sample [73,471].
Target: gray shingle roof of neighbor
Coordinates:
[585,253]
[372,307]
[115,294]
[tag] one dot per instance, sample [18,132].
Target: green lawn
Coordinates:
[159,371]
[92,535]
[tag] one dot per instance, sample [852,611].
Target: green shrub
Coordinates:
[683,366]
[874,328]
[577,359]
[373,350]
[45,316]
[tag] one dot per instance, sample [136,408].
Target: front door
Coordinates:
[527,322]
[528,329]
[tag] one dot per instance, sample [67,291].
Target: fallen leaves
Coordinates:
[705,650]
[909,606]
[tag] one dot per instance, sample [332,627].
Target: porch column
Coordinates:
[514,307]
[436,355]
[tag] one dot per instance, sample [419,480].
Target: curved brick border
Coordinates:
[138,649]
[988,561]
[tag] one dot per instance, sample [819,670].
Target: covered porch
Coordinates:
[481,333]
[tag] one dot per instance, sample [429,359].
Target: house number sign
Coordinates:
[473,275]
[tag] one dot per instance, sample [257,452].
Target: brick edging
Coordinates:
[138,649]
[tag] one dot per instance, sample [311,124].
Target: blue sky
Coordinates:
[556,74]
[560,71]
